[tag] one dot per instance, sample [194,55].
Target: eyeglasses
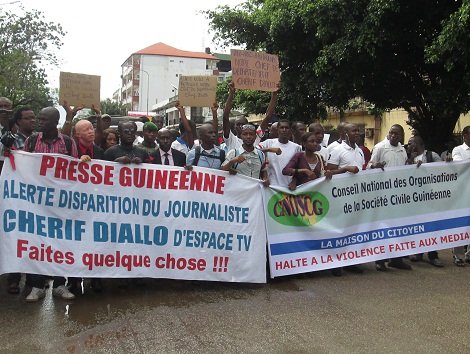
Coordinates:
[248,126]
[128,131]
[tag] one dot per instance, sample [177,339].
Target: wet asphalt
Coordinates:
[425,310]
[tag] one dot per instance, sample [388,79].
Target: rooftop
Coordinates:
[166,50]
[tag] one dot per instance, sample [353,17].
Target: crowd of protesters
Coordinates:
[283,154]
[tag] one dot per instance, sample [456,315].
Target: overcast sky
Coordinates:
[102,34]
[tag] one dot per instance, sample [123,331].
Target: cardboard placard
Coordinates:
[197,91]
[255,70]
[79,89]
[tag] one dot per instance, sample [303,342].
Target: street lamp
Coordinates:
[148,81]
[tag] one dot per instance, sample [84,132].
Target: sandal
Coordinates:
[459,263]
[14,289]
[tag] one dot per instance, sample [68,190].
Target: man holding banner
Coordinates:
[460,153]
[49,140]
[347,157]
[390,153]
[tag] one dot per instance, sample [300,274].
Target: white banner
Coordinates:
[64,217]
[369,216]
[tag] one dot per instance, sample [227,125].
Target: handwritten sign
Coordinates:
[197,91]
[79,89]
[254,70]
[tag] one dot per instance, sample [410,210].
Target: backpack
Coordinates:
[221,157]
[33,138]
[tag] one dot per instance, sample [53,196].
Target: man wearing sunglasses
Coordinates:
[125,151]
[247,159]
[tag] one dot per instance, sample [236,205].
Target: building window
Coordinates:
[176,75]
[172,61]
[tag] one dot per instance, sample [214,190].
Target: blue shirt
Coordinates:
[208,158]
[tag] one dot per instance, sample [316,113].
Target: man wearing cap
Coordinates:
[150,134]
[106,118]
[139,133]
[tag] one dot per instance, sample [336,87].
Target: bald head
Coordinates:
[207,135]
[48,118]
[84,132]
[51,112]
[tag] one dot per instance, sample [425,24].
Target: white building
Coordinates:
[151,75]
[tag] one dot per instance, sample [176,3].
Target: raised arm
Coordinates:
[70,114]
[187,127]
[67,127]
[270,110]
[99,125]
[215,121]
[227,109]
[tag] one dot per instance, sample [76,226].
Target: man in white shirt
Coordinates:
[417,154]
[341,132]
[347,158]
[390,153]
[234,141]
[276,161]
[460,153]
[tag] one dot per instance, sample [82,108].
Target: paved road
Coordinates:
[425,310]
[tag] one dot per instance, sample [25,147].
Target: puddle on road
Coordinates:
[90,308]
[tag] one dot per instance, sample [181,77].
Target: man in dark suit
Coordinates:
[165,155]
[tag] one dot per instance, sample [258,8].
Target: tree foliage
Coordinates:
[248,101]
[412,54]
[113,107]
[282,28]
[27,44]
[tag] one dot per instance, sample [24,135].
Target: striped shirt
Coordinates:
[56,147]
